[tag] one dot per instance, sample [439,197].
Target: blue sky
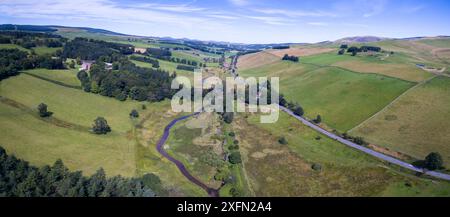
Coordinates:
[247,21]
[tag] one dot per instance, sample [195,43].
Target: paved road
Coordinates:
[366,150]
[160,147]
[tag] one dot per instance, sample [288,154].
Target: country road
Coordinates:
[366,150]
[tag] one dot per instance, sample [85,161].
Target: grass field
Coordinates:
[46,50]
[416,124]
[255,60]
[68,76]
[129,150]
[285,170]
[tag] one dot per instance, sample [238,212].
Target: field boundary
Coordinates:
[51,120]
[53,81]
[393,101]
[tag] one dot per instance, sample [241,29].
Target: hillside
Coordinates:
[382,96]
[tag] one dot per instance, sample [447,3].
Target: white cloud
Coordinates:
[317,24]
[239,2]
[271,20]
[372,7]
[412,9]
[103,10]
[296,13]
[183,8]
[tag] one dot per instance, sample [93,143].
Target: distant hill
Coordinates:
[52,28]
[361,39]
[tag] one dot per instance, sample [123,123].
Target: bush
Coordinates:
[134,113]
[433,161]
[282,141]
[228,117]
[290,58]
[232,134]
[43,112]
[101,126]
[144,107]
[318,119]
[235,158]
[316,167]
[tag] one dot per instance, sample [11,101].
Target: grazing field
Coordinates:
[286,170]
[300,51]
[46,50]
[66,134]
[255,60]
[167,66]
[129,150]
[416,124]
[322,91]
[68,76]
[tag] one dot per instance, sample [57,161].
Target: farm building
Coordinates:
[140,50]
[86,64]
[108,66]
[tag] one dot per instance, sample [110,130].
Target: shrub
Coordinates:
[232,134]
[43,112]
[433,161]
[282,141]
[134,113]
[316,167]
[235,158]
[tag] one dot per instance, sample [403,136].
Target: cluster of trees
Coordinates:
[281,47]
[19,179]
[159,53]
[128,80]
[293,106]
[185,67]
[355,50]
[358,140]
[100,126]
[432,161]
[12,61]
[90,49]
[155,63]
[31,39]
[290,58]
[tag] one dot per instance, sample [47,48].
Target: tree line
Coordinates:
[155,63]
[90,49]
[19,179]
[12,61]
[31,39]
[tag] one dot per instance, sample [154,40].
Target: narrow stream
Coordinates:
[160,147]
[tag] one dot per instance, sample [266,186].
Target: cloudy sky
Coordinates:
[247,21]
